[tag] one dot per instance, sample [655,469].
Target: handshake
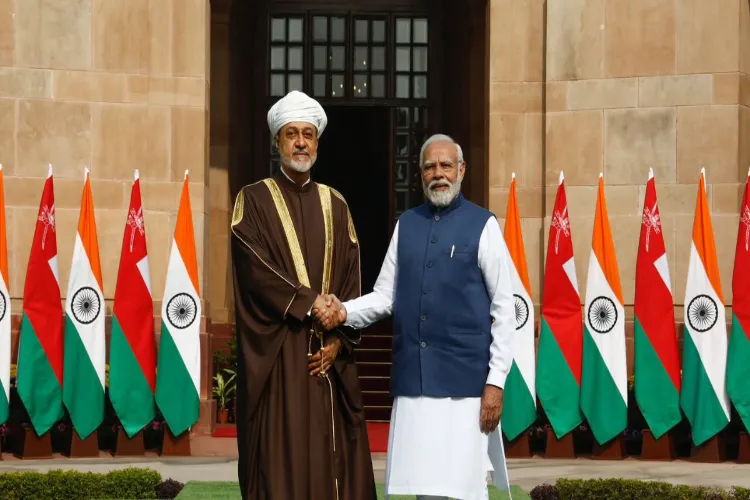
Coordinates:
[328,311]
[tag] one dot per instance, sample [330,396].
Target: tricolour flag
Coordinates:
[657,357]
[85,344]
[4,311]
[738,358]
[178,365]
[558,372]
[604,383]
[520,388]
[40,352]
[132,358]
[704,352]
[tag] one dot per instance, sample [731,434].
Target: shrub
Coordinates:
[630,489]
[169,489]
[75,485]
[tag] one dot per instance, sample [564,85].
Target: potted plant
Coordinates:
[222,390]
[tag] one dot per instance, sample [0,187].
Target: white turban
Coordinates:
[296,107]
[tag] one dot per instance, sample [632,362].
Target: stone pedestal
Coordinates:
[128,447]
[83,448]
[712,451]
[559,448]
[612,450]
[520,447]
[175,446]
[31,446]
[662,449]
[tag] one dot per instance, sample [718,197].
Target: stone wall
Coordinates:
[590,86]
[111,85]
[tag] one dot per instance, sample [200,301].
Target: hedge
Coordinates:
[631,489]
[75,485]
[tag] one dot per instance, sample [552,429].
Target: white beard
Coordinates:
[441,198]
[299,166]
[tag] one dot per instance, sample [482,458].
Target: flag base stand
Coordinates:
[520,447]
[175,446]
[29,445]
[559,448]
[660,449]
[712,451]
[128,447]
[743,455]
[611,450]
[83,448]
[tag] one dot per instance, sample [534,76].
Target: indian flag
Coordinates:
[83,381]
[604,383]
[4,311]
[520,393]
[40,351]
[558,369]
[132,358]
[738,358]
[178,365]
[704,357]
[657,357]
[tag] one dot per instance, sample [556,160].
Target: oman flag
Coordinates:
[558,372]
[83,382]
[704,352]
[178,365]
[4,311]
[604,383]
[738,358]
[40,351]
[132,359]
[520,393]
[657,359]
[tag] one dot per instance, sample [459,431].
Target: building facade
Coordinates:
[526,86]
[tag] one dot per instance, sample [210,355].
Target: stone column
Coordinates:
[111,85]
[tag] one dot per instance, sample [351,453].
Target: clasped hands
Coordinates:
[329,313]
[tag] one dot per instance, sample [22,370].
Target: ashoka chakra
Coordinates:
[86,305]
[181,310]
[602,315]
[702,313]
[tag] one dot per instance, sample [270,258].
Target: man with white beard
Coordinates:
[301,432]
[446,280]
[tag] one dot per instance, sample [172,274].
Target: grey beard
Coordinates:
[441,198]
[297,166]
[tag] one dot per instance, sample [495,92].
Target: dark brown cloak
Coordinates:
[299,437]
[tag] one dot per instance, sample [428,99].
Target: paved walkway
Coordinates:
[523,473]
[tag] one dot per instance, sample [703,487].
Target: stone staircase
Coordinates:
[374,367]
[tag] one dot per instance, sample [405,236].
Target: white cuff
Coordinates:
[497,378]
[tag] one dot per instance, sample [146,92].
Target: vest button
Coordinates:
[429,264]
[424,292]
[423,344]
[423,318]
[437,217]
[434,239]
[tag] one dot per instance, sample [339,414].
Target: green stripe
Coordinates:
[738,371]
[36,382]
[129,391]
[519,411]
[657,397]
[601,401]
[556,386]
[4,407]
[698,399]
[175,393]
[83,394]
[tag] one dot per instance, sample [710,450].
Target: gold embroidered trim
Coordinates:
[291,234]
[325,204]
[239,208]
[350,224]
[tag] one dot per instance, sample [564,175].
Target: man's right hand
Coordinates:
[331,314]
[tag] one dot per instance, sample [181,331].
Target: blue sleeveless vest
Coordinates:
[441,311]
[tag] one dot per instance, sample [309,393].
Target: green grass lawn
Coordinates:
[231,491]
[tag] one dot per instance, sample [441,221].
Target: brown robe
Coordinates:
[299,437]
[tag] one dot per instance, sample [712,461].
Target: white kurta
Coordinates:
[435,446]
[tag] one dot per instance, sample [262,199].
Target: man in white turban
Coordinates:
[301,432]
